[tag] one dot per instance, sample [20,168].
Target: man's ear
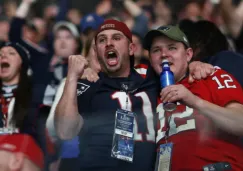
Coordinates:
[132,49]
[189,54]
[16,161]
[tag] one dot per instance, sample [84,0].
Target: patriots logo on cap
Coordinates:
[164,29]
[82,88]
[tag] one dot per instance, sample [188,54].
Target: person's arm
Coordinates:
[226,111]
[67,120]
[63,9]
[228,118]
[15,32]
[50,120]
[24,8]
[140,20]
[233,16]
[132,8]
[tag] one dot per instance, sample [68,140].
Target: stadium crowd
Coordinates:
[81,91]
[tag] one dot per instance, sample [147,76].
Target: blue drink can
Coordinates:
[166,79]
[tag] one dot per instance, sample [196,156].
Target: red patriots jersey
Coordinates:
[197,141]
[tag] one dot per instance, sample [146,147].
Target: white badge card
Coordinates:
[163,162]
[123,140]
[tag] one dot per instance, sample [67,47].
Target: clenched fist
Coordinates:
[76,66]
[199,70]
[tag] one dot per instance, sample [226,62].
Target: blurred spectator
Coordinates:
[90,22]
[207,8]
[4,29]
[74,16]
[88,26]
[66,42]
[138,50]
[16,90]
[104,7]
[127,11]
[19,152]
[10,8]
[26,33]
[50,11]
[66,39]
[20,96]
[191,10]
[163,14]
[233,18]
[91,55]
[138,22]
[41,28]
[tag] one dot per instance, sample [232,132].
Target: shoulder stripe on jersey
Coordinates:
[141,69]
[141,66]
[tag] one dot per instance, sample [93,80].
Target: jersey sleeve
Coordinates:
[224,88]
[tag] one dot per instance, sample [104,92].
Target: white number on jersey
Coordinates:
[227,81]
[174,129]
[147,111]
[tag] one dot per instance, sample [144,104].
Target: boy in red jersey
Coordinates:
[205,128]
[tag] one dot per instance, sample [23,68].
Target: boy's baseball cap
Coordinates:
[70,26]
[170,31]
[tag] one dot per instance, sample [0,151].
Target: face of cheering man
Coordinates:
[114,50]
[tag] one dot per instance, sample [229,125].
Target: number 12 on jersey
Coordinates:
[225,81]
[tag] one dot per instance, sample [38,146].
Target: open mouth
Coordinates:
[63,46]
[112,58]
[5,65]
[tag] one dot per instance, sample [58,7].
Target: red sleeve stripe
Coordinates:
[141,66]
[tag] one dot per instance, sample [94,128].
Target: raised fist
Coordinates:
[76,66]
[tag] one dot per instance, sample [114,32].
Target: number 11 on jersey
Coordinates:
[147,111]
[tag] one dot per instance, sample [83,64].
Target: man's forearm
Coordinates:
[23,10]
[132,8]
[67,120]
[232,18]
[229,118]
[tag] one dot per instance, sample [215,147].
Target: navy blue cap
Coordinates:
[91,21]
[23,53]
